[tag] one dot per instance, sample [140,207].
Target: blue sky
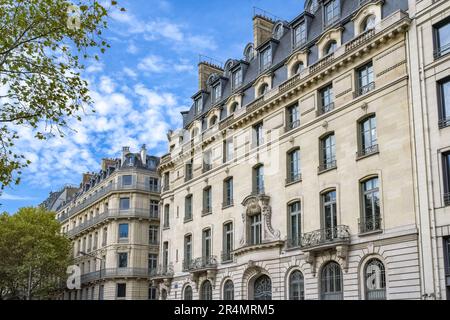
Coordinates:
[140,85]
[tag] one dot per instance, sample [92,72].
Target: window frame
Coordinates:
[299,283]
[335,5]
[206,243]
[438,47]
[295,237]
[326,94]
[293,171]
[265,61]
[228,291]
[300,31]
[119,288]
[375,224]
[227,242]
[444,118]
[122,232]
[255,225]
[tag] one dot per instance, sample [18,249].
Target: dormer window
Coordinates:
[278,31]
[266,58]
[313,6]
[330,48]
[300,35]
[249,53]
[237,78]
[332,12]
[199,105]
[217,92]
[369,23]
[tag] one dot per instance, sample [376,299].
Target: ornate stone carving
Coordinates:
[270,233]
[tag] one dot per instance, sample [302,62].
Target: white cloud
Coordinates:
[129,72]
[152,63]
[10,197]
[95,67]
[132,48]
[107,85]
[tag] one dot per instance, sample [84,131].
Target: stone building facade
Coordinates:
[113,222]
[293,175]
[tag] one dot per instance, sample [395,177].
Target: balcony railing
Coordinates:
[206,167]
[294,242]
[441,51]
[227,203]
[367,151]
[360,39]
[206,211]
[162,271]
[113,214]
[187,217]
[364,89]
[227,257]
[445,122]
[325,237]
[258,191]
[293,125]
[447,199]
[322,63]
[325,109]
[115,273]
[294,177]
[369,224]
[102,192]
[199,264]
[188,176]
[327,165]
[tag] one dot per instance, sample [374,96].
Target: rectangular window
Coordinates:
[365,79]
[293,167]
[332,12]
[123,231]
[371,218]
[368,136]
[104,236]
[199,105]
[152,293]
[90,243]
[326,99]
[121,290]
[442,38]
[228,192]
[207,161]
[300,35]
[329,214]
[255,229]
[187,252]
[166,216]
[228,150]
[294,223]
[165,255]
[258,187]
[227,242]
[124,203]
[237,78]
[444,103]
[127,180]
[447,264]
[122,259]
[293,117]
[188,208]
[266,58]
[101,293]
[328,153]
[446,172]
[207,200]
[95,241]
[258,134]
[188,171]
[153,234]
[217,92]
[206,243]
[154,209]
[153,184]
[166,181]
[152,262]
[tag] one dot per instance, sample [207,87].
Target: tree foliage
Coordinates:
[44,46]
[34,255]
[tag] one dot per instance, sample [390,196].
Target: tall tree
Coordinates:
[34,255]
[44,46]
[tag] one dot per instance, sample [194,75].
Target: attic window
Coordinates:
[217,92]
[313,6]
[249,53]
[332,12]
[278,32]
[300,35]
[199,105]
[237,78]
[266,58]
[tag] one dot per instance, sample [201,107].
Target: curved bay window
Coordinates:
[371,217]
[296,286]
[206,291]
[262,288]
[187,293]
[228,290]
[375,280]
[331,282]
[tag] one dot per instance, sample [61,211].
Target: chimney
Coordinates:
[86,178]
[205,69]
[144,155]
[262,29]
[125,151]
[106,163]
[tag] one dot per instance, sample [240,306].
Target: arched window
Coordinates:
[249,53]
[233,107]
[330,47]
[263,89]
[296,286]
[331,282]
[278,31]
[213,121]
[206,291]
[368,23]
[313,6]
[228,290]
[187,293]
[298,67]
[262,288]
[375,280]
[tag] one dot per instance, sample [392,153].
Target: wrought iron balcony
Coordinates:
[188,217]
[258,191]
[369,224]
[162,271]
[367,151]
[227,257]
[441,51]
[206,211]
[444,122]
[325,238]
[227,203]
[294,177]
[447,199]
[325,109]
[327,165]
[188,176]
[200,264]
[293,125]
[206,167]
[115,273]
[294,242]
[364,89]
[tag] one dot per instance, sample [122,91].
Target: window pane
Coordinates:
[123,230]
[127,180]
[444,37]
[445,99]
[124,203]
[121,290]
[123,260]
